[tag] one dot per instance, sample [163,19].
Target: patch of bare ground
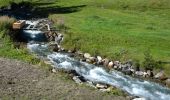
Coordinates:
[22,81]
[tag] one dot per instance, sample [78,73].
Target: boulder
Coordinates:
[93,59]
[145,74]
[139,73]
[116,63]
[161,76]
[77,80]
[110,65]
[167,82]
[105,62]
[150,73]
[87,55]
[101,86]
[106,90]
[99,59]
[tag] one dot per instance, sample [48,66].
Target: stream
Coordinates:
[134,86]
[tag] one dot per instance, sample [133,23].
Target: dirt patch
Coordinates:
[20,81]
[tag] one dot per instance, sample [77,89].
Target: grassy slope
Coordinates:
[114,26]
[110,27]
[104,27]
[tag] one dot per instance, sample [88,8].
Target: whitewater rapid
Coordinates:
[136,87]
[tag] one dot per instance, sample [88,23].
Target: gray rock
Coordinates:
[77,80]
[139,73]
[101,86]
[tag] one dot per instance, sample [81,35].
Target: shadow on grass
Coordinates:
[27,10]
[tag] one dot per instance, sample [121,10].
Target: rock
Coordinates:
[99,60]
[87,55]
[105,62]
[115,67]
[139,73]
[105,90]
[88,61]
[150,73]
[89,83]
[77,80]
[167,82]
[139,99]
[101,86]
[128,72]
[116,63]
[79,53]
[145,74]
[93,59]
[54,70]
[161,76]
[110,65]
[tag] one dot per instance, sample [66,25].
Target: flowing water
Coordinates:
[136,87]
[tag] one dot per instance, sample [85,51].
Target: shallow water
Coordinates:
[141,88]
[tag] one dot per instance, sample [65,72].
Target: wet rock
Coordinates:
[110,65]
[77,80]
[54,47]
[87,55]
[101,86]
[161,76]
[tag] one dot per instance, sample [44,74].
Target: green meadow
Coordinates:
[117,29]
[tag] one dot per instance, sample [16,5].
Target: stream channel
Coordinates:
[93,73]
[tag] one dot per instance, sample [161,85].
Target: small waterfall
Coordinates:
[141,88]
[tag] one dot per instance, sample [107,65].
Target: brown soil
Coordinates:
[22,81]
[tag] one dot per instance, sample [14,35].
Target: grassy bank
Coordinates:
[7,48]
[118,29]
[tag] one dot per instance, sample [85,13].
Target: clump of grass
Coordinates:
[8,49]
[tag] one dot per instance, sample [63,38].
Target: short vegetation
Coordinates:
[7,47]
[118,29]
